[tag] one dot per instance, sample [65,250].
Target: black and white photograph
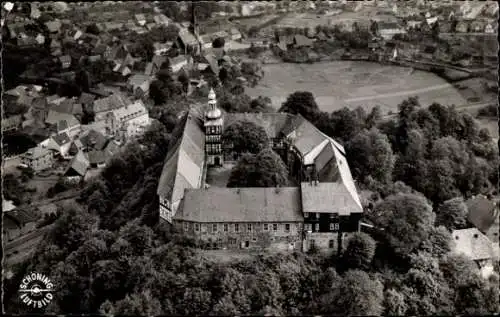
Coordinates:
[250,158]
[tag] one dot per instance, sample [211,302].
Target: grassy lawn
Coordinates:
[352,84]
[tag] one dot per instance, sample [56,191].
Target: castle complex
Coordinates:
[320,212]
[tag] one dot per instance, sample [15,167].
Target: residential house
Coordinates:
[65,61]
[76,34]
[86,100]
[213,64]
[17,222]
[187,42]
[155,65]
[103,106]
[161,19]
[63,122]
[111,149]
[40,39]
[132,120]
[300,40]
[161,48]
[59,143]
[178,62]
[92,140]
[97,158]
[77,167]
[55,48]
[476,246]
[113,26]
[139,85]
[53,26]
[151,26]
[462,27]
[235,34]
[387,30]
[38,158]
[11,123]
[140,19]
[34,11]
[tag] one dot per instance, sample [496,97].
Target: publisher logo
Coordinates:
[36,290]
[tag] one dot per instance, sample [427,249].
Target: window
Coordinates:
[330,244]
[334,215]
[287,227]
[226,227]
[313,243]
[275,227]
[317,215]
[249,227]
[306,215]
[186,226]
[316,227]
[236,227]
[254,239]
[214,227]
[197,227]
[308,227]
[203,228]
[266,227]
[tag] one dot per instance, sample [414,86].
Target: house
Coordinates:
[38,158]
[476,246]
[59,143]
[34,11]
[86,100]
[140,19]
[132,120]
[139,84]
[76,34]
[387,30]
[213,64]
[65,61]
[187,42]
[300,40]
[40,39]
[161,48]
[53,26]
[92,140]
[151,26]
[235,34]
[462,27]
[322,212]
[161,19]
[103,106]
[97,158]
[63,122]
[77,167]
[17,222]
[11,123]
[111,149]
[155,65]
[177,63]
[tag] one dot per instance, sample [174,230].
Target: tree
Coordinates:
[357,295]
[439,242]
[142,304]
[92,29]
[156,92]
[394,303]
[370,153]
[374,117]
[218,42]
[301,102]
[359,252]
[345,124]
[406,219]
[452,214]
[266,169]
[246,136]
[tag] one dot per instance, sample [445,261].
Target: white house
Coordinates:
[59,143]
[140,19]
[132,119]
[178,62]
[161,48]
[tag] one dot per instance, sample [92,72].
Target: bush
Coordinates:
[488,111]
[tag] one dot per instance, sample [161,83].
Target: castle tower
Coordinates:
[214,122]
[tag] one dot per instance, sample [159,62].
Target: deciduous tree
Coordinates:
[246,136]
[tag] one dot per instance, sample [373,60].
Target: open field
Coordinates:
[352,84]
[312,19]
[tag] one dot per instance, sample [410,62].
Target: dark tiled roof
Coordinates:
[328,198]
[301,40]
[94,140]
[241,205]
[86,98]
[111,149]
[61,138]
[96,157]
[79,165]
[110,103]
[482,212]
[212,61]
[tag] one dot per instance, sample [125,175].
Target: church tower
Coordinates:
[214,122]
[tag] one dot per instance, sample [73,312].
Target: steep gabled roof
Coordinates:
[79,165]
[328,198]
[184,163]
[241,205]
